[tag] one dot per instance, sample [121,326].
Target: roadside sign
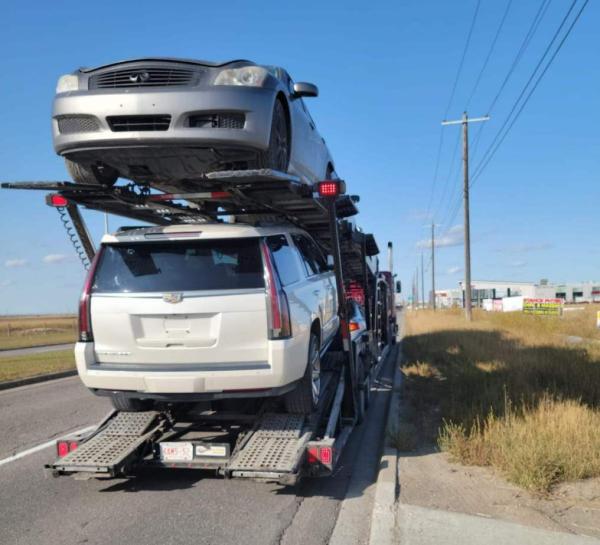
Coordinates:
[545,307]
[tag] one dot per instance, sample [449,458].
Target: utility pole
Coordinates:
[467,227]
[417,285]
[433,266]
[422,281]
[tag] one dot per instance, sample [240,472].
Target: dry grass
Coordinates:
[26,331]
[36,364]
[508,390]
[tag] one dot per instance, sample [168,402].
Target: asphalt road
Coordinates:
[167,506]
[34,350]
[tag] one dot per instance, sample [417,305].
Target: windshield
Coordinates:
[180,266]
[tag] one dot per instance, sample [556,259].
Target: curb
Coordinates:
[37,378]
[383,517]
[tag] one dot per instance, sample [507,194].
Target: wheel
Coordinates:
[304,398]
[130,404]
[277,156]
[92,175]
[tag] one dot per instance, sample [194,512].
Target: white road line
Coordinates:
[33,450]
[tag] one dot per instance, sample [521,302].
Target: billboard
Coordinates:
[545,307]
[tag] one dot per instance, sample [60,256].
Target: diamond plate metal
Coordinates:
[273,447]
[122,435]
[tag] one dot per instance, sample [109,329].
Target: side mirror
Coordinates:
[398,286]
[304,89]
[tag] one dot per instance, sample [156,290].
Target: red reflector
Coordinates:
[57,200]
[326,455]
[62,449]
[220,194]
[312,456]
[328,188]
[73,446]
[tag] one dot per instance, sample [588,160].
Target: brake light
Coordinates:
[85,319]
[64,447]
[326,455]
[354,326]
[56,200]
[312,455]
[278,309]
[331,188]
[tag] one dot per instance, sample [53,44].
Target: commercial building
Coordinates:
[580,292]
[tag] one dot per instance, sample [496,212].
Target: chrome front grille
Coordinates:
[71,124]
[126,123]
[148,76]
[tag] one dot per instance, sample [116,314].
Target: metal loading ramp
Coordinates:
[111,446]
[273,448]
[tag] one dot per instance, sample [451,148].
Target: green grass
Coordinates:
[35,364]
[27,331]
[507,390]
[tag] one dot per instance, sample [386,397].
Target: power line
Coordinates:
[541,12]
[481,167]
[491,50]
[462,60]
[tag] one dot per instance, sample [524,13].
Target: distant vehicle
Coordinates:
[163,121]
[188,313]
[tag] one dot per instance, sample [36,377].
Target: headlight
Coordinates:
[68,82]
[249,76]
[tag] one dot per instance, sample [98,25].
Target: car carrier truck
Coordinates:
[260,437]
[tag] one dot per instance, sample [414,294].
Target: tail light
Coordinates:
[64,447]
[278,309]
[85,318]
[354,326]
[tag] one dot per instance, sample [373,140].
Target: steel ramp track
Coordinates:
[109,448]
[274,447]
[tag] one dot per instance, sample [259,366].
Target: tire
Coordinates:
[92,175]
[305,397]
[277,156]
[130,404]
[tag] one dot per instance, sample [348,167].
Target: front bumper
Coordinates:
[286,364]
[255,103]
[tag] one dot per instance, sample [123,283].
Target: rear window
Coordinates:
[180,266]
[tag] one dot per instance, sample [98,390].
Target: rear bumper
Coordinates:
[286,364]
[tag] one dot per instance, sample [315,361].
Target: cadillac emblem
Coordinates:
[173,297]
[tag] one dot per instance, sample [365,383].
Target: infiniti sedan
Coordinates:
[161,122]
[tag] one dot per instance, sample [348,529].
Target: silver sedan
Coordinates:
[166,121]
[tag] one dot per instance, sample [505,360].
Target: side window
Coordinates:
[285,259]
[312,257]
[317,255]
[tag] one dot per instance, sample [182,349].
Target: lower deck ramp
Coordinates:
[111,445]
[274,447]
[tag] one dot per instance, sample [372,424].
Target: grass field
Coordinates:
[35,364]
[26,331]
[507,390]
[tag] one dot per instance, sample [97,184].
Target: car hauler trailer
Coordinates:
[264,443]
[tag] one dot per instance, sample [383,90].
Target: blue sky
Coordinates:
[385,72]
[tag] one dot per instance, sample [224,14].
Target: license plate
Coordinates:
[176,452]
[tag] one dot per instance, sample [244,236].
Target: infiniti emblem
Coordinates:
[139,77]
[173,297]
